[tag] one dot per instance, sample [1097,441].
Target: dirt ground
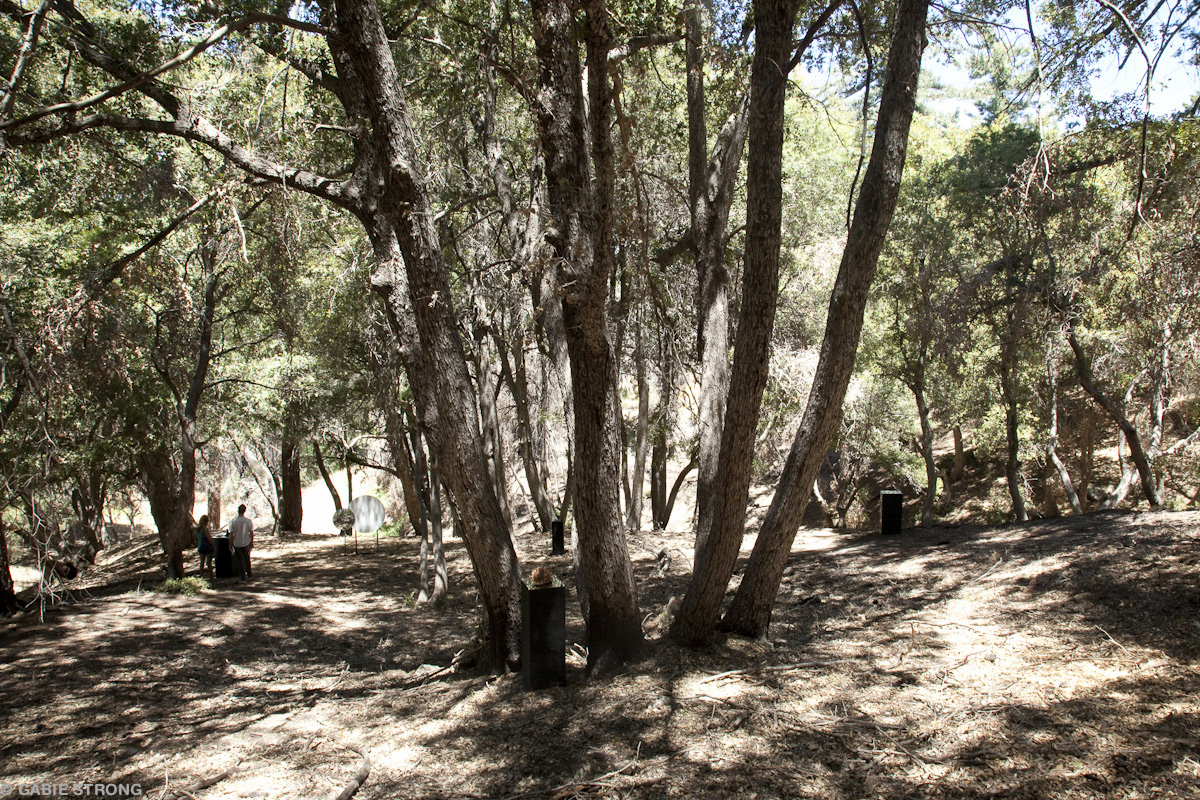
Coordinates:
[1049,660]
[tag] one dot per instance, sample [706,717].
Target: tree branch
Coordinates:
[199,130]
[145,77]
[618,54]
[107,274]
[28,43]
[811,34]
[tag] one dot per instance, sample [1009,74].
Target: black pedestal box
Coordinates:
[891,506]
[557,545]
[543,636]
[223,561]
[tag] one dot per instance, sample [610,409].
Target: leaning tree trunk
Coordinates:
[750,612]
[325,476]
[582,242]
[717,544]
[402,228]
[1083,365]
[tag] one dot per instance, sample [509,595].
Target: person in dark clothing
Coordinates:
[205,546]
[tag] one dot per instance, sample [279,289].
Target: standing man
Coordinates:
[241,539]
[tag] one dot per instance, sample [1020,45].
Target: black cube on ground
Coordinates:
[891,507]
[223,560]
[557,545]
[543,636]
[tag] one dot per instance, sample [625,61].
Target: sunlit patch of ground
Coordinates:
[1052,659]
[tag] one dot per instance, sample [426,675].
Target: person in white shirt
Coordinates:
[241,539]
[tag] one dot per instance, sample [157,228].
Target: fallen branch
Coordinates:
[1114,641]
[777,668]
[364,769]
[199,786]
[961,625]
[986,572]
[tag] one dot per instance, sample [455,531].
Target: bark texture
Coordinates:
[178,538]
[291,509]
[581,241]
[750,612]
[711,185]
[719,537]
[402,230]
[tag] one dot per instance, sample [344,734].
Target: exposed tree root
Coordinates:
[364,769]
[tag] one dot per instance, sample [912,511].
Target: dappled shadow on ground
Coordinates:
[1053,659]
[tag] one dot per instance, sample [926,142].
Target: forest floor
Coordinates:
[1055,659]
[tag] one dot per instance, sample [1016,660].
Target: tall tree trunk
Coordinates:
[717,544]
[521,222]
[616,325]
[582,241]
[711,183]
[661,427]
[215,467]
[558,398]
[1083,366]
[659,455]
[87,501]
[931,472]
[1087,457]
[493,441]
[641,438]
[291,511]
[156,474]
[1012,436]
[1159,400]
[435,551]
[515,372]
[750,612]
[179,537]
[406,467]
[435,353]
[1049,501]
